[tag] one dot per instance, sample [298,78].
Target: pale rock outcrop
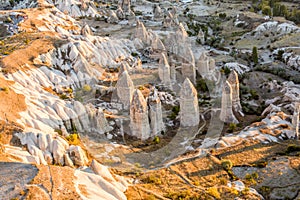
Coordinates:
[58,152]
[77,155]
[189,110]
[120,14]
[203,64]
[82,114]
[201,37]
[157,46]
[97,120]
[141,33]
[42,141]
[86,30]
[104,172]
[212,64]
[155,113]
[158,13]
[125,5]
[68,161]
[164,70]
[112,17]
[125,89]
[123,67]
[188,69]
[170,20]
[295,120]
[139,121]
[233,80]
[226,109]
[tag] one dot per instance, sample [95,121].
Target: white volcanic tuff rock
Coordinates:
[123,67]
[189,110]
[178,42]
[164,70]
[77,155]
[155,113]
[170,20]
[141,33]
[233,80]
[158,13]
[104,172]
[112,17]
[97,187]
[201,37]
[188,69]
[45,147]
[125,5]
[76,8]
[295,120]
[226,114]
[203,64]
[239,68]
[139,121]
[97,120]
[275,27]
[86,30]
[82,115]
[125,89]
[47,112]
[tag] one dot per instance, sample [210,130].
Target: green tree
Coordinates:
[266,10]
[254,55]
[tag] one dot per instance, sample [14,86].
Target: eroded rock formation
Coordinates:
[125,89]
[139,120]
[164,70]
[189,110]
[155,114]
[226,108]
[233,80]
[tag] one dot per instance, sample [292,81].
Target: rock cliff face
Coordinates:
[139,121]
[189,110]
[226,109]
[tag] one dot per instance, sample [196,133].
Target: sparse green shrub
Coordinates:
[222,15]
[156,140]
[266,10]
[226,164]
[73,139]
[232,127]
[155,179]
[86,88]
[58,131]
[254,94]
[254,55]
[63,96]
[213,191]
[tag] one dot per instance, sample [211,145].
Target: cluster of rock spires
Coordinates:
[231,99]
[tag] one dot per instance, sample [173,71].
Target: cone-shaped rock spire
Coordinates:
[189,110]
[139,121]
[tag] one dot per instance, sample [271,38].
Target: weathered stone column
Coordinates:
[226,109]
[189,110]
[139,121]
[125,89]
[233,80]
[155,113]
